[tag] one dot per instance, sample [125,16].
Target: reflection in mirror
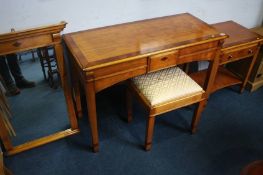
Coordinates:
[40,111]
[37,104]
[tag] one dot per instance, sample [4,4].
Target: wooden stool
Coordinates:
[164,91]
[254,168]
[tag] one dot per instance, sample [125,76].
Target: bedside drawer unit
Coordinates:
[163,60]
[237,54]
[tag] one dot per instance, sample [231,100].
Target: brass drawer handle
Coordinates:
[250,51]
[17,44]
[230,56]
[164,58]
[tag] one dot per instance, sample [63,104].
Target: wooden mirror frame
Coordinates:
[14,42]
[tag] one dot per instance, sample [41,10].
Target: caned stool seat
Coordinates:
[164,91]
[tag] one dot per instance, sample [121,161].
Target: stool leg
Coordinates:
[149,132]
[33,55]
[20,57]
[197,115]
[50,72]
[129,105]
[41,59]
[50,79]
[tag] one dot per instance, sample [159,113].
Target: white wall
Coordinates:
[84,14]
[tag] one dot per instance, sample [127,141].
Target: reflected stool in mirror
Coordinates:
[32,52]
[48,61]
[164,91]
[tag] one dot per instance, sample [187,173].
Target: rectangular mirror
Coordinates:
[39,112]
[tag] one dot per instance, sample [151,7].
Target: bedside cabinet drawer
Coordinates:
[235,55]
[163,60]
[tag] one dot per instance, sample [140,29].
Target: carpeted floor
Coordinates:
[230,135]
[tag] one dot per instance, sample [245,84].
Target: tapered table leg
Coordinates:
[92,114]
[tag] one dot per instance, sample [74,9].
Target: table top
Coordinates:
[101,45]
[237,33]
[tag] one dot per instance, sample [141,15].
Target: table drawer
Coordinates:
[112,74]
[205,55]
[163,60]
[198,48]
[25,43]
[120,68]
[237,54]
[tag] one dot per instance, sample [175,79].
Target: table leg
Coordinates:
[243,85]
[76,89]
[92,114]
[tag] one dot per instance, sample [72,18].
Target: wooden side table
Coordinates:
[237,58]
[256,77]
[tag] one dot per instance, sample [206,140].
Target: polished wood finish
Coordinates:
[34,38]
[6,129]
[41,141]
[162,61]
[241,44]
[238,35]
[149,132]
[224,78]
[4,134]
[106,77]
[256,78]
[237,54]
[18,41]
[106,56]
[3,169]
[94,47]
[1,163]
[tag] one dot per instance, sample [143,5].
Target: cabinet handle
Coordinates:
[230,56]
[250,51]
[17,44]
[164,58]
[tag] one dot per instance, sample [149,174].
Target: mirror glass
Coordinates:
[36,98]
